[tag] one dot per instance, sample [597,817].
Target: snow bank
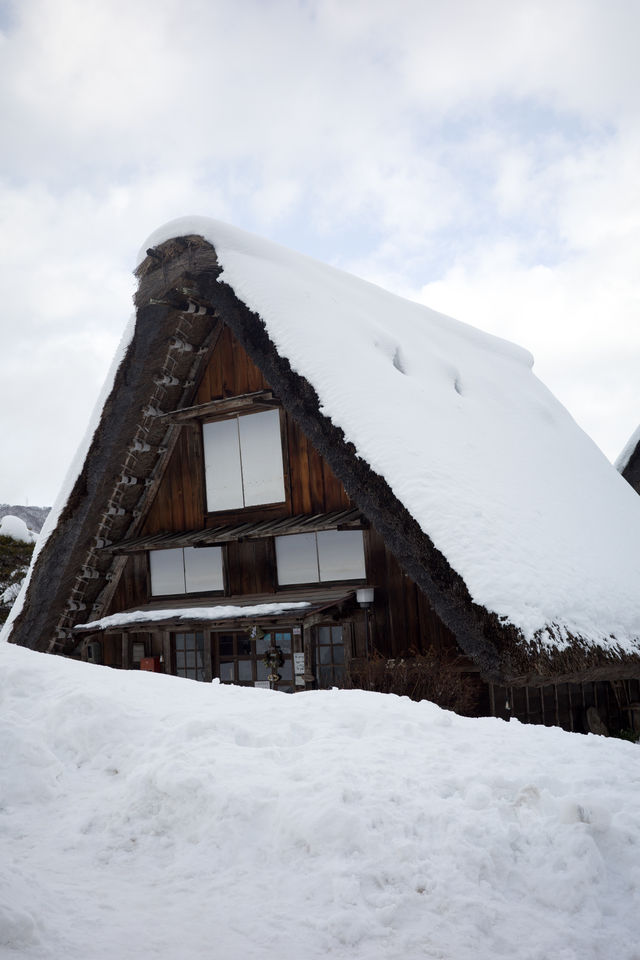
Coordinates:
[520,501]
[148,816]
[17,529]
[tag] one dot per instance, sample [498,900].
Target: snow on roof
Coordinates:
[519,500]
[226,612]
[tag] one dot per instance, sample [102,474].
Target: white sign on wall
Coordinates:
[298,664]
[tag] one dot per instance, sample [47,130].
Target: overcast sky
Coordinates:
[482,157]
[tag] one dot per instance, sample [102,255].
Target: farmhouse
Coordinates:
[297,479]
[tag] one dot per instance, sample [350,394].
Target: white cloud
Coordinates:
[484,152]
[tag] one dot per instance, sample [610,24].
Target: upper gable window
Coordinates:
[243,461]
[186,570]
[318,557]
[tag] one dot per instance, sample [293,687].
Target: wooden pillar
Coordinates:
[166,650]
[126,660]
[208,659]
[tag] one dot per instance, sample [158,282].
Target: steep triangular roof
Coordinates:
[500,508]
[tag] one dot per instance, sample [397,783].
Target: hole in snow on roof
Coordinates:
[398,362]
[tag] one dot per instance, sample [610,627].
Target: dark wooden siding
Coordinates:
[133,586]
[567,704]
[229,372]
[402,621]
[180,501]
[179,504]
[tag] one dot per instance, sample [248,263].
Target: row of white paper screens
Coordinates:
[329,555]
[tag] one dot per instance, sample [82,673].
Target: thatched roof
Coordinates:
[628,463]
[399,477]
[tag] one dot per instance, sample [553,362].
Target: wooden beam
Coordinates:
[261,398]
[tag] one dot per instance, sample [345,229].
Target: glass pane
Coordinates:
[324,634]
[203,569]
[191,659]
[167,572]
[338,653]
[190,641]
[225,646]
[297,558]
[263,644]
[324,654]
[244,646]
[261,450]
[286,671]
[261,670]
[245,671]
[325,676]
[179,661]
[222,464]
[283,640]
[341,555]
[338,676]
[336,634]
[226,672]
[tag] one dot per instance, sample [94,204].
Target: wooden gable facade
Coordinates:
[334,636]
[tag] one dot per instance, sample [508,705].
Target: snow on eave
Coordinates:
[222,612]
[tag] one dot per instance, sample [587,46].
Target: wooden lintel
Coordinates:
[262,398]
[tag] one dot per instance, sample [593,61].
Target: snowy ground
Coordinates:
[146,816]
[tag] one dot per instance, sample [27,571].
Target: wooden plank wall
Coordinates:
[403,621]
[180,501]
[566,704]
[229,372]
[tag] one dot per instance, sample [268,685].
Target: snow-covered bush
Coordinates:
[16,547]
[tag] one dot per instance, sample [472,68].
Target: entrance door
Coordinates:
[329,656]
[189,654]
[238,657]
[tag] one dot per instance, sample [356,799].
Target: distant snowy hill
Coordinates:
[34,517]
[145,816]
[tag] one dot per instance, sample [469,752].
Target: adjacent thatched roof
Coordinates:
[628,463]
[184,297]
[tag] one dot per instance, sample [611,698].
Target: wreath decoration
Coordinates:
[273,659]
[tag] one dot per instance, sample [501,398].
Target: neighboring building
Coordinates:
[297,473]
[628,463]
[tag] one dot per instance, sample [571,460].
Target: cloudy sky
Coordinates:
[481,157]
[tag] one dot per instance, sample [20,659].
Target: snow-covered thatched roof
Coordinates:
[520,501]
[495,502]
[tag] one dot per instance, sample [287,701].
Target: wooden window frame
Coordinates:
[195,593]
[256,509]
[353,582]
